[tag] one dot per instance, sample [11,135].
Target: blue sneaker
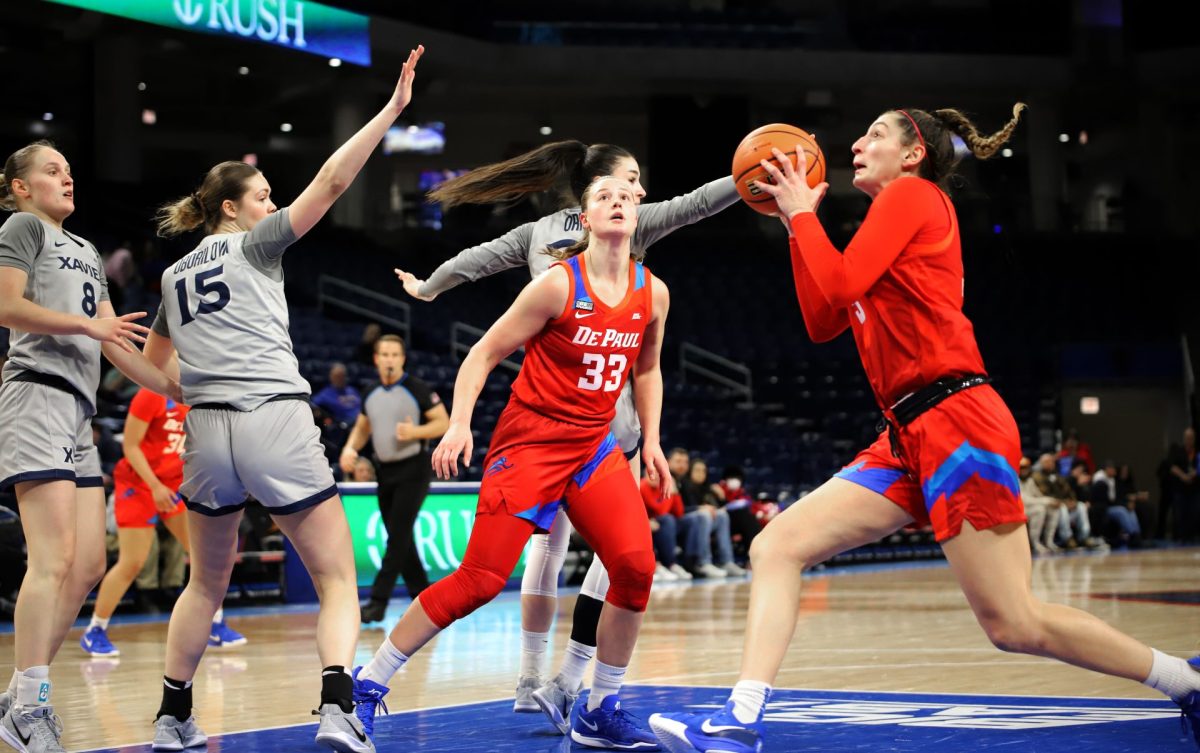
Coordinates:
[96,643]
[610,727]
[368,700]
[223,636]
[688,733]
[1190,706]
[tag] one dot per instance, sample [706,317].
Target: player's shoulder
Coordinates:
[913,189]
[24,223]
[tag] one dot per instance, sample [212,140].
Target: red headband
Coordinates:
[915,128]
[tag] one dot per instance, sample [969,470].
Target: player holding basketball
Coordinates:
[54,298]
[586,324]
[250,428]
[576,165]
[147,483]
[949,452]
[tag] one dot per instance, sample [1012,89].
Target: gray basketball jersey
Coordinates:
[223,308]
[526,245]
[65,274]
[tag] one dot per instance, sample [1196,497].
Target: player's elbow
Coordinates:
[332,183]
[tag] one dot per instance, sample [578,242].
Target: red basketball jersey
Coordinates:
[898,285]
[163,443]
[575,368]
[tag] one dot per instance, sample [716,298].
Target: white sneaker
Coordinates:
[711,571]
[524,703]
[733,570]
[680,571]
[172,734]
[663,575]
[342,730]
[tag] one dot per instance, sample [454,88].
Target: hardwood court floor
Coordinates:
[870,628]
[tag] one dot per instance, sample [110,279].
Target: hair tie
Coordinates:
[915,128]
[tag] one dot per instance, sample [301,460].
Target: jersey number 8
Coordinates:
[594,378]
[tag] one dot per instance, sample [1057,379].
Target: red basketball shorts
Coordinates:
[959,463]
[133,504]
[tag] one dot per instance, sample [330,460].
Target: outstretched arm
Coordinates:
[658,219]
[506,252]
[541,301]
[339,171]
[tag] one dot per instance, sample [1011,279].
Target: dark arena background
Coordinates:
[1080,244]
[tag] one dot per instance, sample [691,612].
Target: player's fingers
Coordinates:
[769,188]
[132,317]
[785,162]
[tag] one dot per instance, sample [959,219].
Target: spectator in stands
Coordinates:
[1053,486]
[1183,486]
[1075,522]
[695,526]
[121,271]
[338,399]
[1128,490]
[1073,450]
[1038,507]
[363,471]
[664,505]
[699,500]
[743,526]
[400,416]
[1117,515]
[365,352]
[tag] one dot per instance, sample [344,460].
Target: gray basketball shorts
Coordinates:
[46,433]
[625,425]
[272,453]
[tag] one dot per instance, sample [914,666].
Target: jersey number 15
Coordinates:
[205,286]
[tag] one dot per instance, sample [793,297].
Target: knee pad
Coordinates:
[595,583]
[630,576]
[462,592]
[544,563]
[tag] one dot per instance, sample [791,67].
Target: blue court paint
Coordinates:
[796,720]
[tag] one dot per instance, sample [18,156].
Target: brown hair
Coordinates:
[224,181]
[389,339]
[17,167]
[936,128]
[537,170]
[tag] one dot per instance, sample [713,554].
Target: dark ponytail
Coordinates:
[226,180]
[572,163]
[935,131]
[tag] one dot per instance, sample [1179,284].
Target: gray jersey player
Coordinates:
[574,164]
[250,429]
[54,299]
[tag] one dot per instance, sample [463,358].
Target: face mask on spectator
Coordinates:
[734,484]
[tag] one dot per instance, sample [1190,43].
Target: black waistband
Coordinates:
[48,380]
[908,409]
[227,406]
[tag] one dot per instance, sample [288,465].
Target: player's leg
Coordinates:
[840,515]
[607,510]
[539,600]
[133,547]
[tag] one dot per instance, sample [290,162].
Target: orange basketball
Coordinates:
[757,146]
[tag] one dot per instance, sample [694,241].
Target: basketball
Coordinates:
[757,146]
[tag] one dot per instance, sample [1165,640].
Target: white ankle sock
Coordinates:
[99,622]
[749,697]
[33,687]
[1172,676]
[387,662]
[533,653]
[606,681]
[219,616]
[575,664]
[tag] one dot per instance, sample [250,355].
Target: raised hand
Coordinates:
[403,94]
[412,285]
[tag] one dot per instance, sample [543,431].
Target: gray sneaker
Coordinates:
[172,734]
[524,704]
[342,730]
[5,703]
[32,729]
[556,701]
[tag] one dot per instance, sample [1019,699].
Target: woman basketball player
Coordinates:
[586,323]
[949,453]
[575,165]
[54,298]
[250,429]
[146,490]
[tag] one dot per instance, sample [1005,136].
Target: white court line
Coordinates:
[912,693]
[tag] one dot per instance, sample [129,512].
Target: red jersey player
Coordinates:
[948,449]
[587,323]
[146,491]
